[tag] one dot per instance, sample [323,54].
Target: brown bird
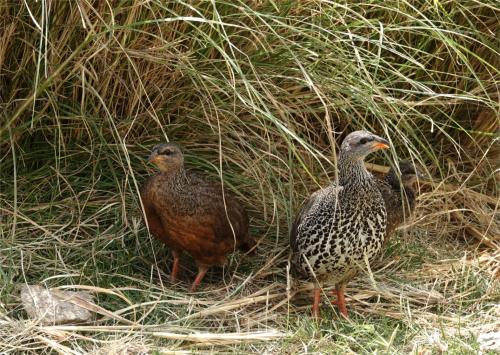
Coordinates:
[399,194]
[191,214]
[343,225]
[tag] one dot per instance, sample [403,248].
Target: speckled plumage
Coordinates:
[191,214]
[398,194]
[342,225]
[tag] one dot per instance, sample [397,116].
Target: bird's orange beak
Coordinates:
[380,143]
[152,157]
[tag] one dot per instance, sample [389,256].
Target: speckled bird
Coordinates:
[399,194]
[191,214]
[342,225]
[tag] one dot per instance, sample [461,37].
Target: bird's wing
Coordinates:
[226,216]
[307,207]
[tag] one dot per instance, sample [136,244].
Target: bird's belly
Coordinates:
[196,236]
[333,266]
[337,255]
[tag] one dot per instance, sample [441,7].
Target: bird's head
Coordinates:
[167,157]
[406,175]
[359,144]
[409,173]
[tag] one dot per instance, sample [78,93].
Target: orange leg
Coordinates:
[202,270]
[175,266]
[317,298]
[336,294]
[339,290]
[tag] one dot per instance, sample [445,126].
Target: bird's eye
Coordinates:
[166,152]
[363,140]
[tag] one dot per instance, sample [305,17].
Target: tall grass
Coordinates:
[259,94]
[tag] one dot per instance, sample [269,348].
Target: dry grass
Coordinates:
[259,95]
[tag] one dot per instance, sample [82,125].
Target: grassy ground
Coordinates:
[260,96]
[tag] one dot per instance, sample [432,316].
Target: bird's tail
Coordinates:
[248,244]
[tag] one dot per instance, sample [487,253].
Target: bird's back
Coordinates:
[399,201]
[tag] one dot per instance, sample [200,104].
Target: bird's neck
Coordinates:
[176,178]
[352,171]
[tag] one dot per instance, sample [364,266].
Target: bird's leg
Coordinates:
[335,301]
[339,290]
[316,299]
[175,266]
[335,292]
[202,270]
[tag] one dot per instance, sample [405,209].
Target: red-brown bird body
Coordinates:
[191,214]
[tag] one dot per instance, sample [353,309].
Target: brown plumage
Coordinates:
[190,214]
[399,195]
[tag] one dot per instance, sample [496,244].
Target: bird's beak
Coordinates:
[380,143]
[152,157]
[420,176]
